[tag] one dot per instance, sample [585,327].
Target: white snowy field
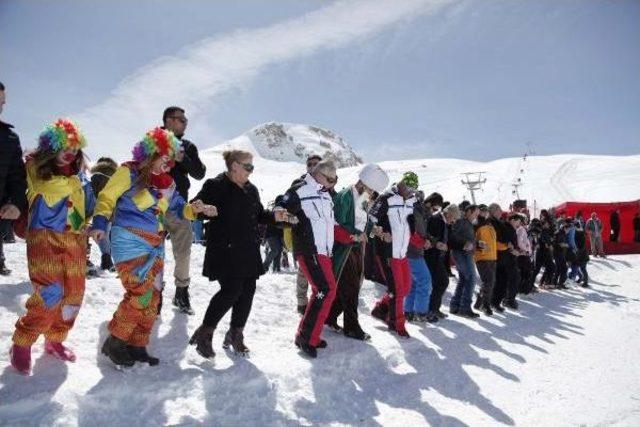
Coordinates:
[566,358]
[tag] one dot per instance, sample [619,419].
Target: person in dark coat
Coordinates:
[13,181]
[582,254]
[614,222]
[104,168]
[560,249]
[233,255]
[435,256]
[636,227]
[507,273]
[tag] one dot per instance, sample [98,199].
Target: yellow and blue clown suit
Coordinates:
[137,247]
[56,246]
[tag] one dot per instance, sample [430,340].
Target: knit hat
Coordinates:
[62,135]
[410,179]
[374,177]
[157,141]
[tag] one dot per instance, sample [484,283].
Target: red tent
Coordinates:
[625,245]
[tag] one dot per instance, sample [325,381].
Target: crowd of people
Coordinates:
[389,233]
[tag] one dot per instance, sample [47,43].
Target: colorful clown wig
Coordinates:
[157,142]
[63,134]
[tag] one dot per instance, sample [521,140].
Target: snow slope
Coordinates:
[567,358]
[288,142]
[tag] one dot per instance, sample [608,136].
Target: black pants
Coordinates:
[561,268]
[525,268]
[636,235]
[487,272]
[235,293]
[543,259]
[615,234]
[3,223]
[439,279]
[507,278]
[348,292]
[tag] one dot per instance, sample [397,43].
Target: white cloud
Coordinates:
[194,77]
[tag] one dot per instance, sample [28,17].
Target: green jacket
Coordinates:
[344,213]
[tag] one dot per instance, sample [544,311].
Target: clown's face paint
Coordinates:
[162,165]
[65,157]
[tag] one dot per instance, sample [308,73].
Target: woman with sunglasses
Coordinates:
[233,255]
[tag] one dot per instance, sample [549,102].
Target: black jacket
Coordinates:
[190,165]
[438,232]
[614,220]
[461,234]
[13,181]
[582,254]
[233,241]
[505,234]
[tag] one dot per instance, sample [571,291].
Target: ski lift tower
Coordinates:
[516,184]
[473,181]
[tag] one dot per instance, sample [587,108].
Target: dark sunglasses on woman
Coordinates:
[247,166]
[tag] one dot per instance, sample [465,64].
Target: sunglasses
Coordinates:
[330,179]
[247,166]
[182,120]
[312,164]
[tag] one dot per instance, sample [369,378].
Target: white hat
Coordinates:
[374,177]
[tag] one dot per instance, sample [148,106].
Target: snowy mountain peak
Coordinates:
[289,142]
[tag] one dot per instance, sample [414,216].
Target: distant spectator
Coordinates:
[594,231]
[636,228]
[614,223]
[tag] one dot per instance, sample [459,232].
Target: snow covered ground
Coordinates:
[567,358]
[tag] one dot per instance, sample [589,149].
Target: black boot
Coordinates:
[478,303]
[486,309]
[139,354]
[380,312]
[116,350]
[201,338]
[183,301]
[511,304]
[310,350]
[106,263]
[497,307]
[235,338]
[4,271]
[356,335]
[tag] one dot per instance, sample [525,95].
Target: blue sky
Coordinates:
[465,79]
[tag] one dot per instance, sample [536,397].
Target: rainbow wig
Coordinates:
[63,134]
[158,141]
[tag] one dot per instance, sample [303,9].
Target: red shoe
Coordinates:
[59,351]
[403,333]
[21,358]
